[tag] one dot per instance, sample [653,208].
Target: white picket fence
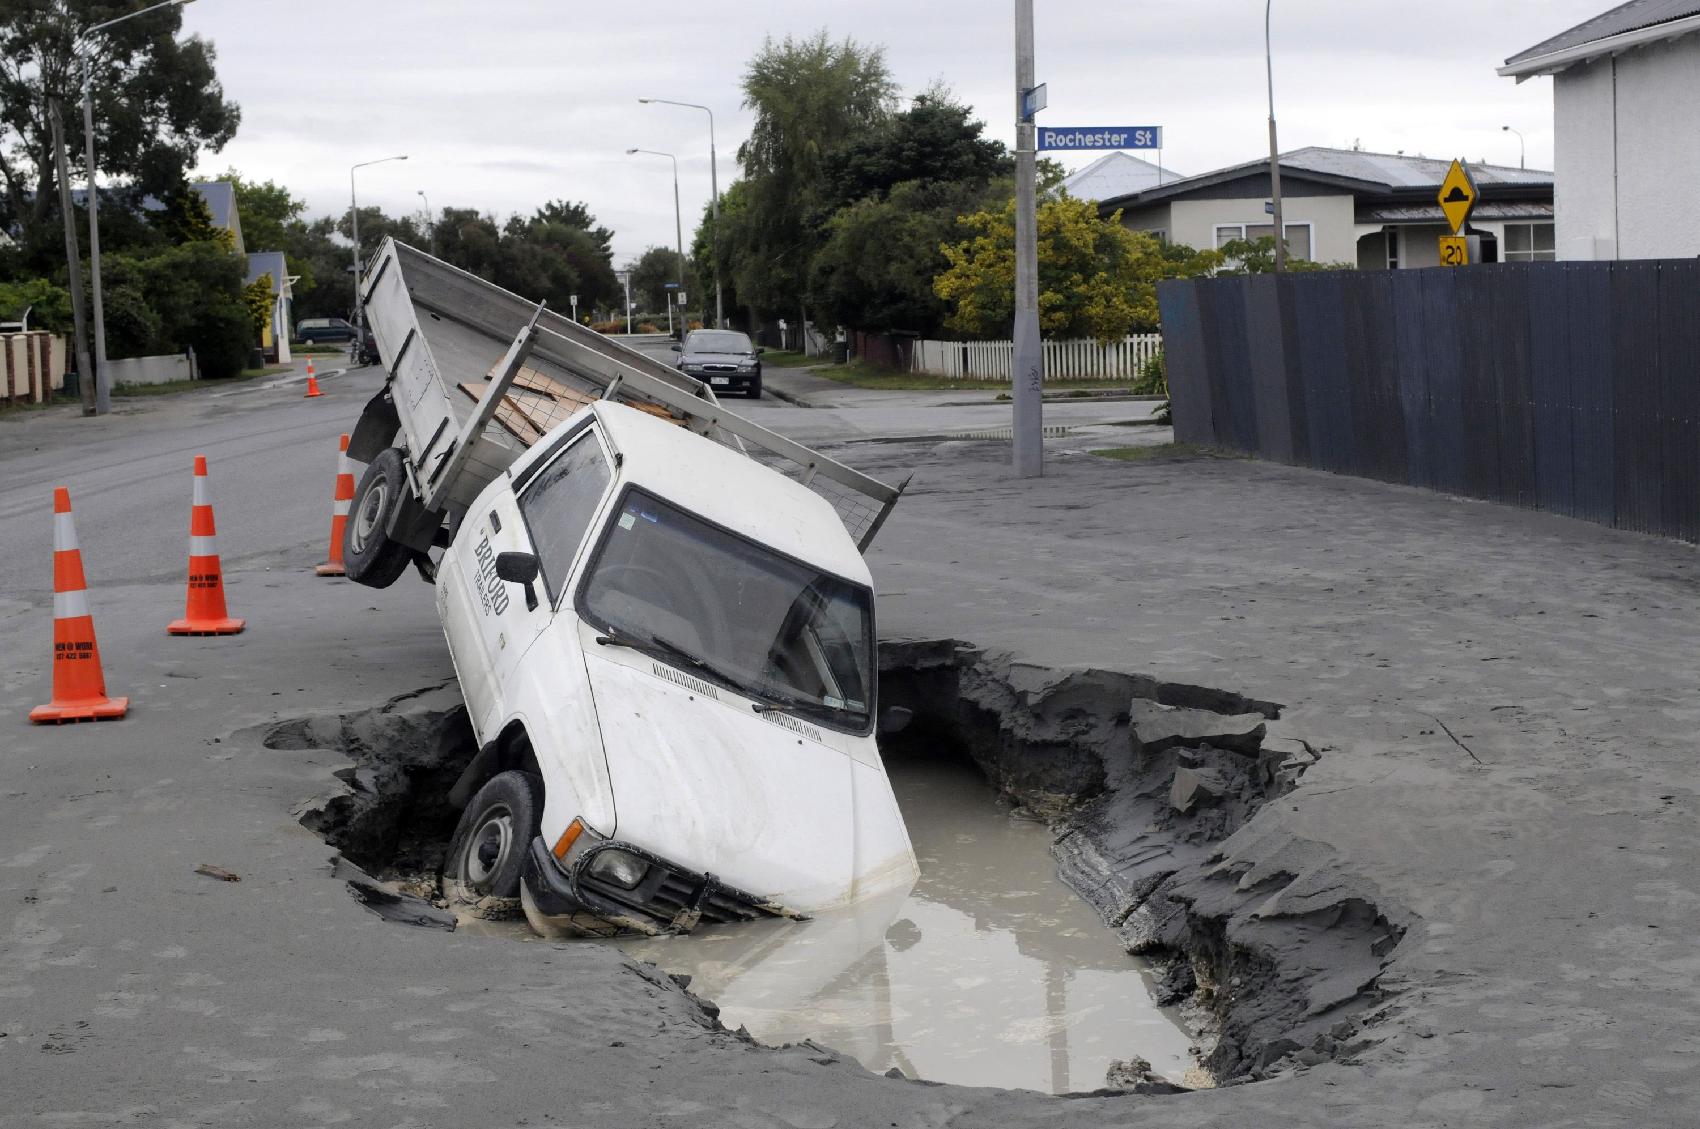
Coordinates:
[1064,360]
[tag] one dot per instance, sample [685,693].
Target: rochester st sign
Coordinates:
[1101,137]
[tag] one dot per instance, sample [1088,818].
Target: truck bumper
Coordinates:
[670,899]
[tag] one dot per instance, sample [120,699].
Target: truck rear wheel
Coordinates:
[368,553]
[487,854]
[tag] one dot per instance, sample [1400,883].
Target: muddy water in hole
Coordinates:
[989,973]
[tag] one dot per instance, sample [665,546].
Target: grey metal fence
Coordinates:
[1570,387]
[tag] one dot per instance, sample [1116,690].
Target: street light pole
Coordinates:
[102,391]
[678,229]
[1274,148]
[354,224]
[714,187]
[1522,148]
[1028,374]
[431,221]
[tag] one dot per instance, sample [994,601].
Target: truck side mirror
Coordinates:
[520,568]
[896,720]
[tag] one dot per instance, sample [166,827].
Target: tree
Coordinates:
[158,102]
[935,139]
[808,96]
[1096,278]
[188,296]
[186,218]
[655,269]
[877,268]
[267,211]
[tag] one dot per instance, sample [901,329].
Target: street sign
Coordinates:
[671,285]
[681,297]
[1458,196]
[1032,101]
[1101,137]
[1454,251]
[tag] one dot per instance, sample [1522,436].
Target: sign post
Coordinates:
[1028,372]
[1458,197]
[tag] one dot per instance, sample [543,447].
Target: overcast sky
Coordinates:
[503,104]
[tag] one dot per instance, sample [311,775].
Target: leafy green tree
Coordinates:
[808,96]
[877,268]
[49,305]
[1096,278]
[188,296]
[1257,256]
[187,219]
[655,268]
[267,211]
[158,102]
[936,139]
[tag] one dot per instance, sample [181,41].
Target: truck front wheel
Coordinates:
[368,553]
[487,854]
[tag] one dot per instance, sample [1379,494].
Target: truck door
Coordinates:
[550,517]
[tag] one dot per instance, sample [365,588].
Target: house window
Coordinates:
[1529,243]
[1298,235]
[1392,248]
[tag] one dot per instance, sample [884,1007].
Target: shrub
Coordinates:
[50,305]
[1153,378]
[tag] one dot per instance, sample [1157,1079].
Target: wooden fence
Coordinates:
[1064,360]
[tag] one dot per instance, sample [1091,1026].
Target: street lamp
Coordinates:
[431,220]
[354,221]
[714,186]
[102,392]
[678,230]
[1274,149]
[1522,148]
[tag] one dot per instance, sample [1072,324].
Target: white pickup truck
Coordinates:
[662,624]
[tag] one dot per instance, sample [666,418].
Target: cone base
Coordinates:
[101,709]
[312,395]
[330,568]
[206,626]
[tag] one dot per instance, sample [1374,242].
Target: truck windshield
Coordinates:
[733,612]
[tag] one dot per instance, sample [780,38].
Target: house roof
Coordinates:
[272,263]
[1354,171]
[1627,25]
[1116,174]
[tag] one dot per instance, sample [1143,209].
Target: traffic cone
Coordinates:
[312,382]
[341,498]
[204,613]
[79,687]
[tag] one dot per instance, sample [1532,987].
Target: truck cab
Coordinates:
[668,654]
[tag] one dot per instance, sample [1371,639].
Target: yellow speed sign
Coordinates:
[1454,251]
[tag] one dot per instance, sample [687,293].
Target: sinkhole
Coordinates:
[1079,923]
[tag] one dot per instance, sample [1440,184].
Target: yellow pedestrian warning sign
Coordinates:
[1458,196]
[1454,251]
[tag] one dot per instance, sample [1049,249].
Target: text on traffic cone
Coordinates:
[342,497]
[204,612]
[79,686]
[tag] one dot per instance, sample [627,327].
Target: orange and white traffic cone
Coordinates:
[79,687]
[204,612]
[312,382]
[341,498]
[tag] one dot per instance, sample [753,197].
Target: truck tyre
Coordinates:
[368,554]
[487,854]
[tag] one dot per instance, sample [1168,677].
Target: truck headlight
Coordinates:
[621,868]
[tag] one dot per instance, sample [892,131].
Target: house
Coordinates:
[1116,174]
[274,335]
[220,196]
[1625,85]
[1374,210]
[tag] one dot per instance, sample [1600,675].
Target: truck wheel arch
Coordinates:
[510,750]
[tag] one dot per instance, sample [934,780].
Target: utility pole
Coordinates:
[74,262]
[1029,366]
[354,228]
[1274,148]
[102,394]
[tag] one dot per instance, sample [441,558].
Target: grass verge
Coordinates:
[1161,451]
[785,358]
[171,386]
